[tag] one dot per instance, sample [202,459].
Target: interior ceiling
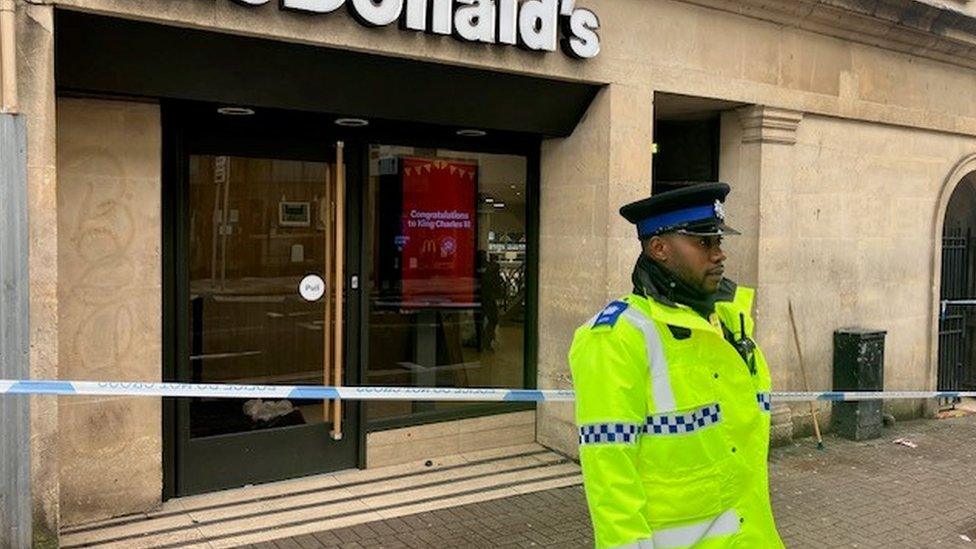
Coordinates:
[669,106]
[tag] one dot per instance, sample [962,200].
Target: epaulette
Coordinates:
[609,315]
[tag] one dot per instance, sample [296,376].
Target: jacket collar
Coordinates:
[660,308]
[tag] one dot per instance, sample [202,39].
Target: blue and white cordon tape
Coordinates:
[319,392]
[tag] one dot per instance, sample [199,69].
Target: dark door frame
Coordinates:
[201,465]
[174,122]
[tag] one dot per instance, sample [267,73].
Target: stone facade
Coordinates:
[856,134]
[849,227]
[35,27]
[110,306]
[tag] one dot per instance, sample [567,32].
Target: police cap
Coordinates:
[696,210]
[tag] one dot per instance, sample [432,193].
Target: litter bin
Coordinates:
[858,366]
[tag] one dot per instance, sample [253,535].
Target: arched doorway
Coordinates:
[957,292]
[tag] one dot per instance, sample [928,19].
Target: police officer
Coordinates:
[672,394]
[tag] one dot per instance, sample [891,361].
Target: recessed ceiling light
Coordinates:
[352,122]
[499,205]
[511,186]
[472,133]
[235,111]
[489,199]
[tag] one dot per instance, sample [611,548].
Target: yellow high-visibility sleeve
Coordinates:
[610,376]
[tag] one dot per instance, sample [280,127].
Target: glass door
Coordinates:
[265,303]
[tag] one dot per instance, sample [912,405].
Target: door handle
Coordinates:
[327,324]
[339,247]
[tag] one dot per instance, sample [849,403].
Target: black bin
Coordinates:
[858,366]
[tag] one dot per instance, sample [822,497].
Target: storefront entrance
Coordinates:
[429,245]
[262,206]
[436,236]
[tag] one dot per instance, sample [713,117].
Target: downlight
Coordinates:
[352,122]
[471,133]
[235,111]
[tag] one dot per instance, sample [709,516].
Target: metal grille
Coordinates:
[956,370]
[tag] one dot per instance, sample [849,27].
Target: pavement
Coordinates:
[853,494]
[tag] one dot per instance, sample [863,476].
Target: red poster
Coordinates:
[438,226]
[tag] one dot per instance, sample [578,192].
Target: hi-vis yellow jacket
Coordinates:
[674,426]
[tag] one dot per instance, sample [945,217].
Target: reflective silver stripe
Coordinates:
[686,536]
[642,544]
[725,524]
[660,378]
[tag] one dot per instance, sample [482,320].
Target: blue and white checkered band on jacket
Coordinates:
[660,424]
[677,424]
[609,433]
[765,401]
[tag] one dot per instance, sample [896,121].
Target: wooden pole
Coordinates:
[803,373]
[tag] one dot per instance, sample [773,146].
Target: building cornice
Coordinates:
[762,124]
[944,30]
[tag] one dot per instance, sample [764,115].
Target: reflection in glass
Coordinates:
[257,227]
[446,272]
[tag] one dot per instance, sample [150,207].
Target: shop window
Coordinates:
[446,274]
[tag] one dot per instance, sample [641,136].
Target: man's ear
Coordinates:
[658,249]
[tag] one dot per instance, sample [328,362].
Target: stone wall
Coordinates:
[110,304]
[848,221]
[587,251]
[35,67]
[671,45]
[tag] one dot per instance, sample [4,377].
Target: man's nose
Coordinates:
[719,255]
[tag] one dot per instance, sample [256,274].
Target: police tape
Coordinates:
[312,392]
[317,392]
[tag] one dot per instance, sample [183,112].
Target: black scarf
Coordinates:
[652,280]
